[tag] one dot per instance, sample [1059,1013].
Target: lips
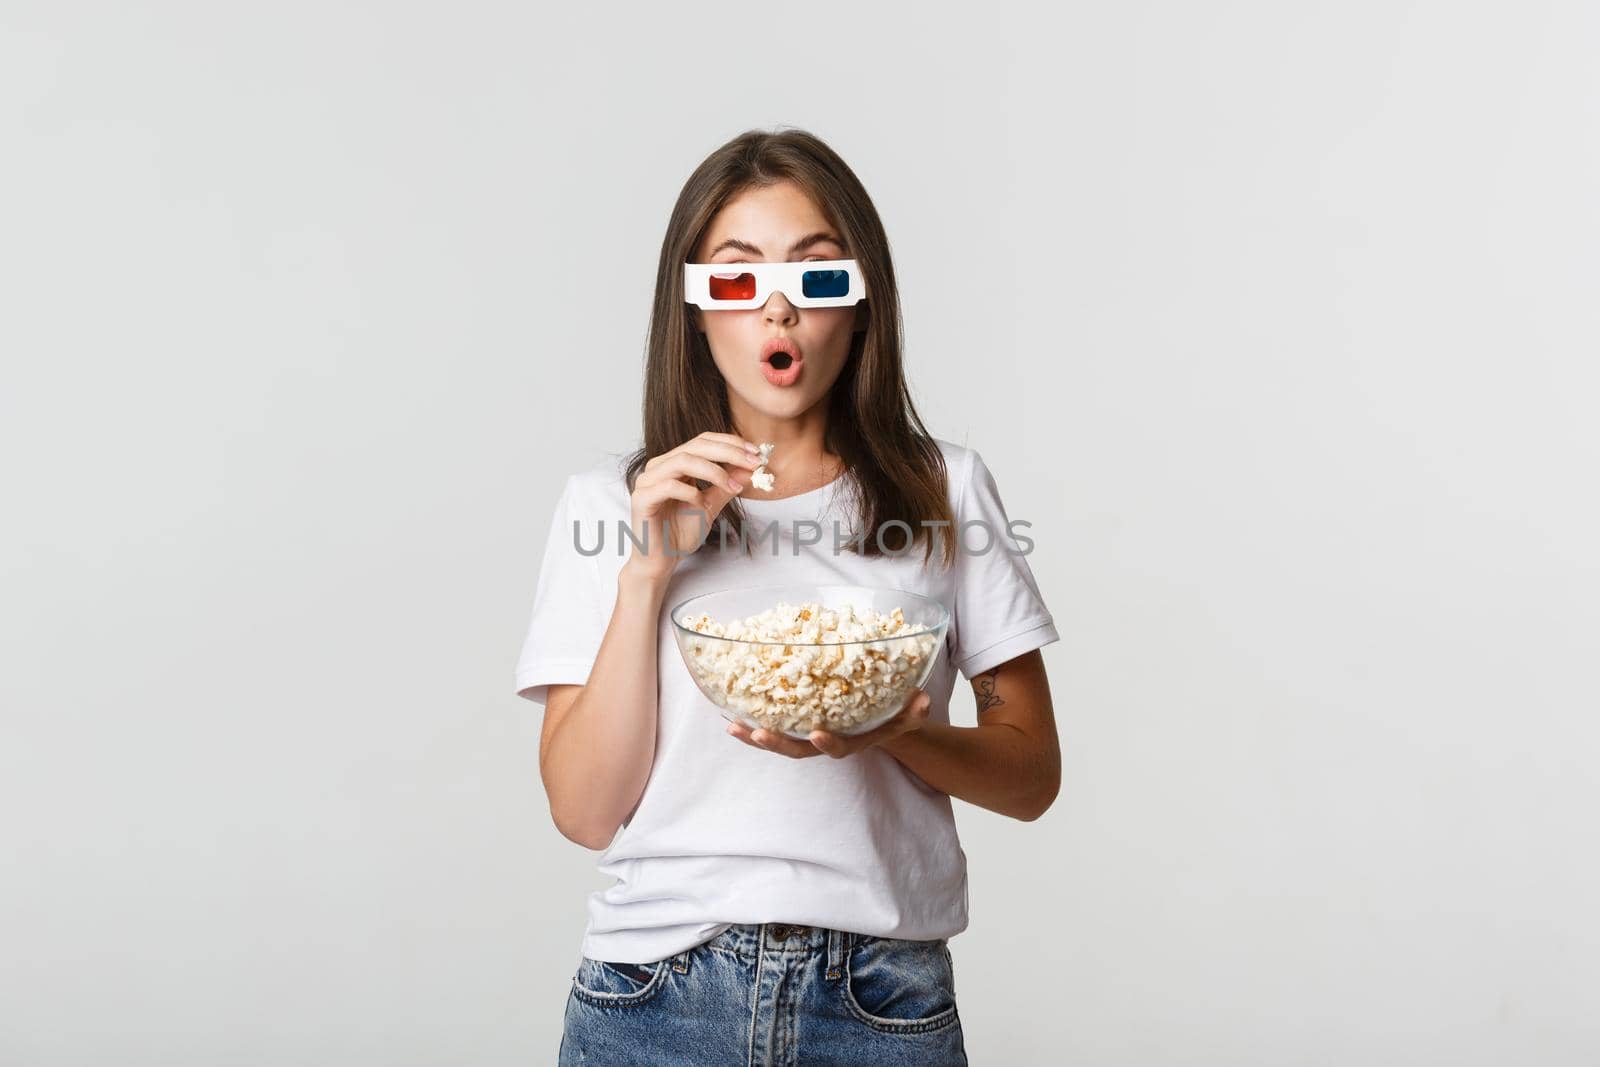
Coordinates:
[781,361]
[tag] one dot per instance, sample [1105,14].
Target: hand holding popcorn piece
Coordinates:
[669,511]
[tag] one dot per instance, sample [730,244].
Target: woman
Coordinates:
[771,906]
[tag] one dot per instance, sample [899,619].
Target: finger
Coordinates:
[687,465]
[717,496]
[742,732]
[730,439]
[892,725]
[723,452]
[910,717]
[832,744]
[727,447]
[651,497]
[919,704]
[783,744]
[849,744]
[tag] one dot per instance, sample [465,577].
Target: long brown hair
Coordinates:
[894,468]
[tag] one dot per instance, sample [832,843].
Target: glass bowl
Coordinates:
[825,666]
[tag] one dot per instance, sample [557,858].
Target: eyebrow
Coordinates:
[799,246]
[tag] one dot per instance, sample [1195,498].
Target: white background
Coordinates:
[1278,321]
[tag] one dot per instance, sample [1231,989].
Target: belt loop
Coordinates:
[835,953]
[680,962]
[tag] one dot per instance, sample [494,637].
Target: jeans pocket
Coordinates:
[607,984]
[900,986]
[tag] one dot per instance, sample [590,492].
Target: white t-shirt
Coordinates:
[726,833]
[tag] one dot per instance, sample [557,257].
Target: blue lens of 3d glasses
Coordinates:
[821,284]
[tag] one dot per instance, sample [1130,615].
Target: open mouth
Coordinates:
[781,361]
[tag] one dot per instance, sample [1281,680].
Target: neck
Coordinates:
[800,460]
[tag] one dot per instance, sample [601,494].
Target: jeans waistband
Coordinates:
[753,939]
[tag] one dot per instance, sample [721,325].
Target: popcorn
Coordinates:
[833,668]
[762,478]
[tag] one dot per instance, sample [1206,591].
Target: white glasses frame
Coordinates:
[769,277]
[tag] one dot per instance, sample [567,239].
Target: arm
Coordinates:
[599,739]
[1011,761]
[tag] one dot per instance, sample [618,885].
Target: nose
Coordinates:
[779,310]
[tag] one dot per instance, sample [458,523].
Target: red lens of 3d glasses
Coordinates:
[732,286]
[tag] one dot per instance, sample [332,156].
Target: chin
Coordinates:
[777,408]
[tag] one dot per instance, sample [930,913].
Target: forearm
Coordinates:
[992,765]
[597,760]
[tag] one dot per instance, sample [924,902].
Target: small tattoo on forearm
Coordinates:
[987,697]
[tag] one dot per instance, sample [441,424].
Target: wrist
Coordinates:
[900,744]
[636,581]
[922,740]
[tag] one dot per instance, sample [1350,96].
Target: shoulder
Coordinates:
[960,462]
[600,489]
[974,492]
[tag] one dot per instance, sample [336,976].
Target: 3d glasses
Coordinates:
[820,283]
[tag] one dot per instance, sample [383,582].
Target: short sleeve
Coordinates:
[998,613]
[569,618]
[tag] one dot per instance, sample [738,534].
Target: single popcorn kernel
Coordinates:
[762,478]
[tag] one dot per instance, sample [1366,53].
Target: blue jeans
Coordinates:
[770,995]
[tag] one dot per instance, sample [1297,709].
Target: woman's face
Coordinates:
[776,224]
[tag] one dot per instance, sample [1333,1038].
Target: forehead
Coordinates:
[771,217]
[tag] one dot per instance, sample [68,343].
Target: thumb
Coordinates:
[718,495]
